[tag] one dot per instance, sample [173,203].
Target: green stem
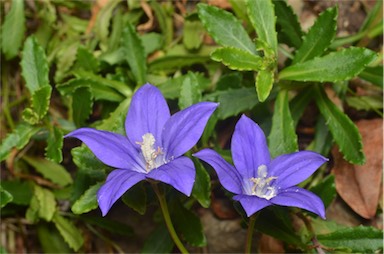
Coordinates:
[251,226]
[167,218]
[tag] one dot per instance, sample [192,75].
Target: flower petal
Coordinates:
[118,182]
[112,149]
[249,147]
[291,169]
[252,204]
[301,198]
[147,114]
[228,175]
[180,173]
[184,129]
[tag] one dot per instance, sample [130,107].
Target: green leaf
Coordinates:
[299,103]
[5,197]
[20,191]
[18,138]
[81,106]
[116,227]
[51,240]
[68,231]
[88,201]
[134,54]
[30,116]
[32,213]
[374,102]
[55,145]
[287,20]
[175,62]
[189,225]
[12,31]
[202,187]
[190,91]
[238,59]
[50,170]
[323,138]
[357,239]
[136,198]
[159,241]
[262,16]
[34,65]
[86,60]
[234,101]
[225,28]
[40,101]
[102,23]
[46,201]
[164,17]
[319,37]
[326,190]
[373,75]
[264,84]
[193,33]
[343,130]
[152,42]
[283,138]
[336,66]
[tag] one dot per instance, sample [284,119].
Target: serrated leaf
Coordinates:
[202,187]
[356,239]
[81,106]
[264,84]
[68,231]
[30,116]
[12,31]
[103,22]
[238,59]
[134,54]
[34,65]
[86,60]
[336,66]
[5,197]
[50,170]
[159,241]
[55,145]
[319,36]
[32,213]
[283,138]
[51,240]
[365,102]
[291,32]
[18,138]
[40,101]
[225,28]
[343,130]
[373,75]
[88,201]
[190,91]
[193,33]
[46,201]
[262,16]
[136,198]
[326,190]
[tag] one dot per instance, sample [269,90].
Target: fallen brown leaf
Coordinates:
[360,186]
[268,244]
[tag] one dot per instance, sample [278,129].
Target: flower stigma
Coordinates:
[153,157]
[262,184]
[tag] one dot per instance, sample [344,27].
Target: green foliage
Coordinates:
[189,91]
[238,59]
[5,197]
[71,234]
[136,198]
[53,151]
[202,187]
[159,241]
[87,202]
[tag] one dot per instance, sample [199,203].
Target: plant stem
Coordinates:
[251,226]
[167,218]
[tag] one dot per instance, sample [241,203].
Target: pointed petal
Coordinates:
[147,114]
[112,149]
[291,169]
[180,173]
[249,147]
[301,198]
[228,175]
[118,182]
[252,204]
[184,129]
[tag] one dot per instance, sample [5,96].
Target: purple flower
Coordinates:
[152,148]
[257,180]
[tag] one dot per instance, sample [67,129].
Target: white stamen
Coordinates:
[262,185]
[149,152]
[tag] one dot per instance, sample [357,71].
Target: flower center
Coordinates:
[262,184]
[153,157]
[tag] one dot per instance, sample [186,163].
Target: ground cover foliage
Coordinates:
[73,64]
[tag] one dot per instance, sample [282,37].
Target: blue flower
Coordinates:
[257,180]
[152,148]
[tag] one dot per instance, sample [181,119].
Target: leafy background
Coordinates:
[316,83]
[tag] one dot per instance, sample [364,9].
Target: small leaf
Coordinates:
[40,101]
[88,201]
[51,240]
[12,31]
[373,75]
[343,130]
[34,65]
[357,239]
[152,42]
[32,213]
[134,54]
[326,190]
[193,33]
[30,116]
[68,231]
[283,138]
[55,145]
[336,66]
[175,62]
[5,197]
[50,170]
[202,187]
[190,91]
[136,198]
[18,138]
[47,202]
[164,17]
[264,84]
[86,60]
[225,28]
[319,37]
[238,59]
[81,106]
[367,103]
[159,241]
[20,191]
[262,16]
